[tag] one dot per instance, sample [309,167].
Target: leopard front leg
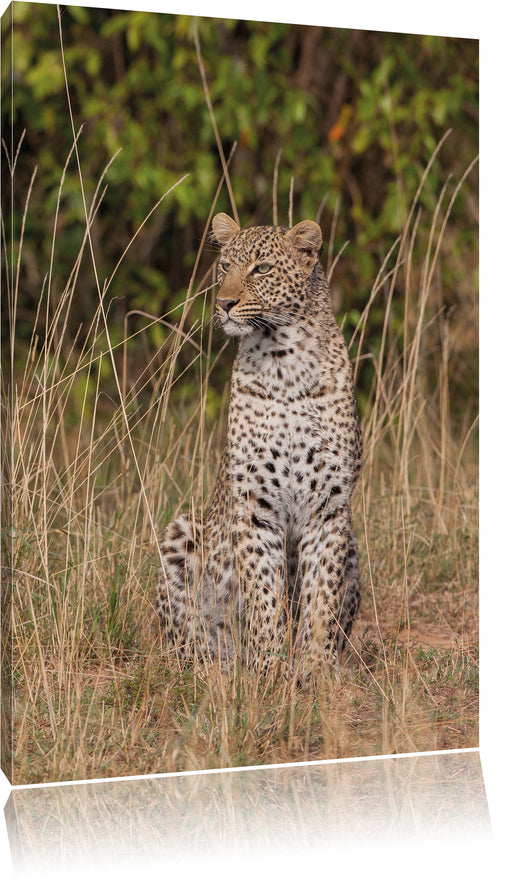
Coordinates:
[325,610]
[259,555]
[351,593]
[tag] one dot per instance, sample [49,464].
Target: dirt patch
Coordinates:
[429,636]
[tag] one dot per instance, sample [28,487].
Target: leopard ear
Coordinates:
[306,240]
[224,228]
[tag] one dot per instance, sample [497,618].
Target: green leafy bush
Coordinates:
[352,116]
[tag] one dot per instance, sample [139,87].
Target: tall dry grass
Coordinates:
[91,477]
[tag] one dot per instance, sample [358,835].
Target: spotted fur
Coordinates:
[276,547]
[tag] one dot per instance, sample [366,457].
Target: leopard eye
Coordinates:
[225,265]
[262,268]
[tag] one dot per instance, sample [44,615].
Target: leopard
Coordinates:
[271,571]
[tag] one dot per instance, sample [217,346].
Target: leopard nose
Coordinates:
[226,304]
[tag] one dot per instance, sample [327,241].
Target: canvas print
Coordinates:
[239,393]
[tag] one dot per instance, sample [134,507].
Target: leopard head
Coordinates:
[264,273]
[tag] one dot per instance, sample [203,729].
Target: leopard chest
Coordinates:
[288,457]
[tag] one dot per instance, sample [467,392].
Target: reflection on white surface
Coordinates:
[317,807]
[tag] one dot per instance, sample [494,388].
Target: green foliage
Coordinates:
[356,116]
